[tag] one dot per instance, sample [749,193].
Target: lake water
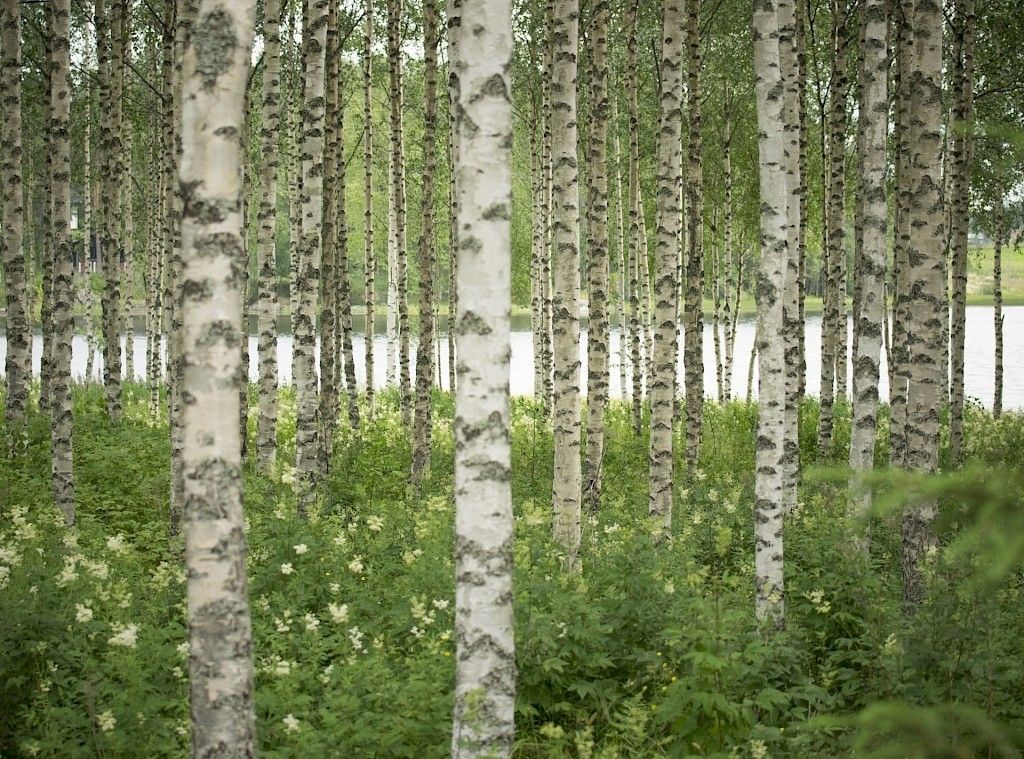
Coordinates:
[979,362]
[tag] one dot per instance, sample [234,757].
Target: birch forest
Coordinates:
[597,379]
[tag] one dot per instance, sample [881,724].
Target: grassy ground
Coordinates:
[651,651]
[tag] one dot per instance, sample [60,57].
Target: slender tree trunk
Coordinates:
[266,240]
[769,481]
[926,385]
[669,215]
[18,366]
[425,347]
[311,249]
[997,297]
[899,372]
[623,272]
[330,379]
[693,320]
[60,192]
[369,255]
[454,21]
[799,39]
[637,328]
[537,187]
[116,43]
[547,209]
[398,188]
[597,249]
[346,361]
[833,324]
[46,249]
[220,662]
[962,129]
[485,669]
[127,231]
[874,118]
[567,491]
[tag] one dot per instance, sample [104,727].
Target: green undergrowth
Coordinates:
[651,650]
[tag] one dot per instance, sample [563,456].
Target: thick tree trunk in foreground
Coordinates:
[18,367]
[60,192]
[666,246]
[874,116]
[926,286]
[567,493]
[214,69]
[769,482]
[266,248]
[311,248]
[485,668]
[597,270]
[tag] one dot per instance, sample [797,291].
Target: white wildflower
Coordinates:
[355,636]
[106,721]
[339,612]
[290,723]
[287,568]
[125,635]
[374,523]
[300,549]
[83,613]
[356,565]
[116,544]
[312,623]
[440,603]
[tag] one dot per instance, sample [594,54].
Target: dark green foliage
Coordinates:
[651,650]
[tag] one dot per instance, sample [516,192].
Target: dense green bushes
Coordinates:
[651,650]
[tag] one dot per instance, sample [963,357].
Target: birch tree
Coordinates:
[874,116]
[567,493]
[214,72]
[60,192]
[485,669]
[769,479]
[266,426]
[18,366]
[310,251]
[597,270]
[666,245]
[425,348]
[925,274]
[369,255]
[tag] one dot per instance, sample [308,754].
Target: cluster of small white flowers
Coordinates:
[335,588]
[23,529]
[670,588]
[312,623]
[712,495]
[178,672]
[611,529]
[117,543]
[281,511]
[409,557]
[287,475]
[183,649]
[355,636]
[356,565]
[5,576]
[283,623]
[374,523]
[338,612]
[758,749]
[83,613]
[699,475]
[325,676]
[300,549]
[97,569]
[291,724]
[67,573]
[287,568]
[282,668]
[10,555]
[340,539]
[817,599]
[124,635]
[106,721]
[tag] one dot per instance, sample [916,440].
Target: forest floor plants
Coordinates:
[650,650]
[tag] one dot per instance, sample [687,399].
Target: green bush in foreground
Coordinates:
[652,650]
